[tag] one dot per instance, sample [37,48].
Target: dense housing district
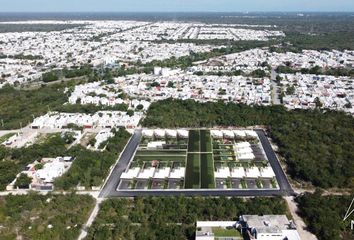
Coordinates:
[172,130]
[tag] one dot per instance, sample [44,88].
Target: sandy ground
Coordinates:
[301,226]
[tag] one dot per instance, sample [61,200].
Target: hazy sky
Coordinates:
[174,5]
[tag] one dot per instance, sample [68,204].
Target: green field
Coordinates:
[192,177]
[224,233]
[207,171]
[194,141]
[175,158]
[162,152]
[205,140]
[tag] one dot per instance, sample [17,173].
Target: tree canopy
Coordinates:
[172,217]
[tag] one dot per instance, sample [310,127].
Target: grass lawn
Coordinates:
[223,232]
[5,137]
[205,140]
[175,158]
[192,178]
[207,171]
[162,152]
[194,141]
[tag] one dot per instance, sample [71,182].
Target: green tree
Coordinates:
[23,181]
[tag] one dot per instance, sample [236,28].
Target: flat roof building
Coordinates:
[269,227]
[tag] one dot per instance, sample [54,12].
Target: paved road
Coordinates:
[112,182]
[204,192]
[283,182]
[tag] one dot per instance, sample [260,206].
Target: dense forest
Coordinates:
[170,218]
[20,106]
[90,168]
[324,215]
[43,217]
[317,145]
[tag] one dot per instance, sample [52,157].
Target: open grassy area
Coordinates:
[161,152]
[5,137]
[207,171]
[205,140]
[194,141]
[192,178]
[223,232]
[175,158]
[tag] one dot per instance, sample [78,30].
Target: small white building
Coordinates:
[155,145]
[183,133]
[252,172]
[222,172]
[269,227]
[216,134]
[177,173]
[148,133]
[146,173]
[131,173]
[162,173]
[267,172]
[238,172]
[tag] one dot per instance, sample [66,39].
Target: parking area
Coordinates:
[141,184]
[266,183]
[236,183]
[125,185]
[251,183]
[158,184]
[174,183]
[220,184]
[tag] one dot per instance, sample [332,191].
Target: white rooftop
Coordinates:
[177,173]
[267,172]
[131,173]
[162,173]
[146,173]
[238,172]
[223,172]
[252,172]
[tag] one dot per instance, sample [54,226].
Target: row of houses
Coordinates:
[98,94]
[101,119]
[153,173]
[241,172]
[163,133]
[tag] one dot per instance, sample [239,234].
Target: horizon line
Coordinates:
[243,12]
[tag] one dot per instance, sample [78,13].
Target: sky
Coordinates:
[174,5]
